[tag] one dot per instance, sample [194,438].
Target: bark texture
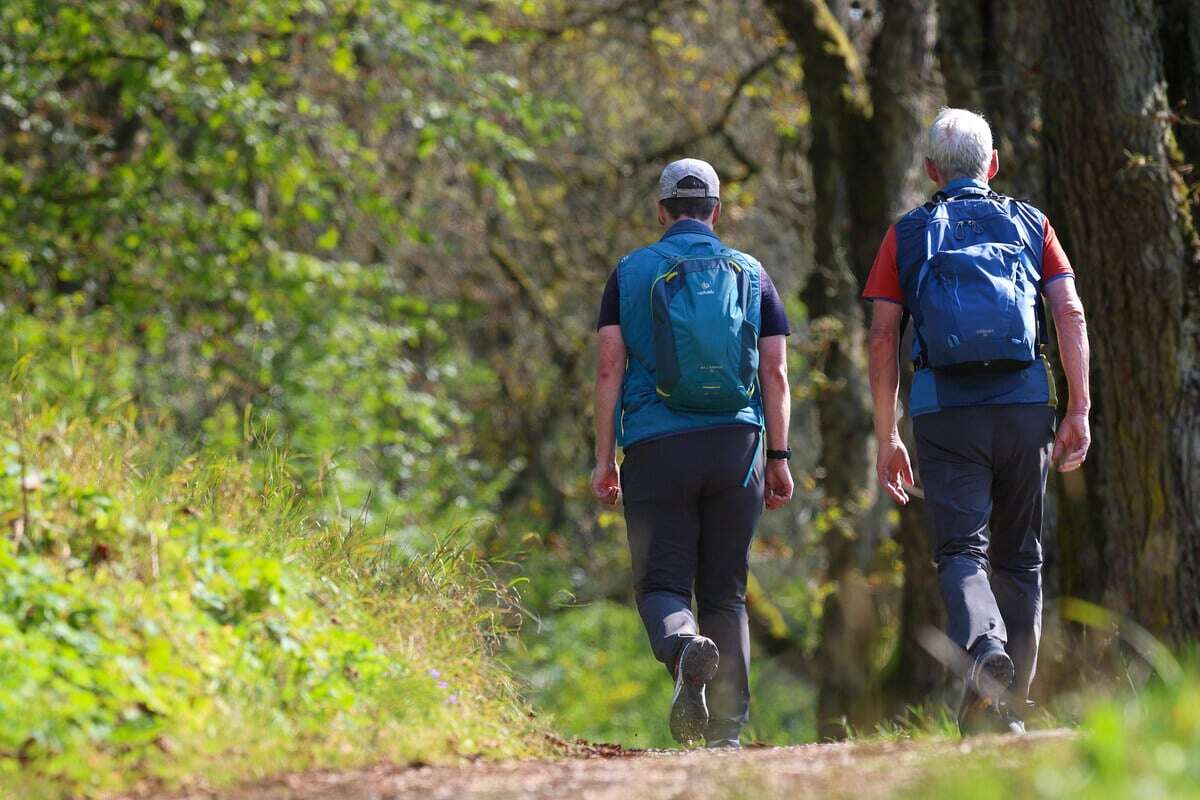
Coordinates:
[903,69]
[1123,216]
[1180,32]
[864,126]
[840,111]
[991,53]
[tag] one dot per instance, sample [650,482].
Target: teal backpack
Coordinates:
[705,341]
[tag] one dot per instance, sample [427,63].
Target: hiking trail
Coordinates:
[859,770]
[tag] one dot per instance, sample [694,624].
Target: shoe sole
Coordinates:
[723,744]
[689,711]
[987,685]
[994,677]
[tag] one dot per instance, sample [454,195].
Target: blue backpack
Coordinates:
[976,304]
[705,343]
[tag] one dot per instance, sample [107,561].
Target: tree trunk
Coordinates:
[1123,217]
[990,53]
[862,158]
[902,70]
[836,89]
[1179,27]
[1180,31]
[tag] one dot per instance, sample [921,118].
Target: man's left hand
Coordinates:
[779,483]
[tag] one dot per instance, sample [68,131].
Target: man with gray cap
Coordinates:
[691,382]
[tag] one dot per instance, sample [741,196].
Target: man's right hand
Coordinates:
[606,483]
[1072,442]
[893,468]
[779,483]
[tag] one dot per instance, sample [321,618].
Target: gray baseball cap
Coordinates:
[688,167]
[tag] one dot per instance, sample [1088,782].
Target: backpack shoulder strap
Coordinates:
[670,259]
[1038,307]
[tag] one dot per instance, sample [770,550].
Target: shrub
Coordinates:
[161,614]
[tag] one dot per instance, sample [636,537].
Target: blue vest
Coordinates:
[933,391]
[641,414]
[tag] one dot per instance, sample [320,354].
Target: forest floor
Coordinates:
[859,770]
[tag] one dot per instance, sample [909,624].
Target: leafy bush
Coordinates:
[150,604]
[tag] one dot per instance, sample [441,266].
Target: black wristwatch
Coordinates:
[782,455]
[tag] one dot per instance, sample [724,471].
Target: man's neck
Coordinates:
[671,223]
[957,182]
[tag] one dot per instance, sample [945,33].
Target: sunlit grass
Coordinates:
[165,616]
[1142,744]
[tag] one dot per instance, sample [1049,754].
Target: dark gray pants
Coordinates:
[984,473]
[690,521]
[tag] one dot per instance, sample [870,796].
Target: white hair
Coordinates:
[960,144]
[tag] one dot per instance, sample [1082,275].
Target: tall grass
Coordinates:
[1143,744]
[166,615]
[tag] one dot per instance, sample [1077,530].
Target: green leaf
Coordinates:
[329,239]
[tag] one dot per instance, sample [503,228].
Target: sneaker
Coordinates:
[984,690]
[689,711]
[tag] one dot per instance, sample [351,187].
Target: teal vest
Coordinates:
[641,414]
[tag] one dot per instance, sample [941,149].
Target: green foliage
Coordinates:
[149,605]
[284,224]
[1147,745]
[209,208]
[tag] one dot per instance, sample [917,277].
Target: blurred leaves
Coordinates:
[209,208]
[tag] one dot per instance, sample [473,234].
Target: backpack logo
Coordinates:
[706,288]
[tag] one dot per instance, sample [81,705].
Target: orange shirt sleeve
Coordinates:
[883,282]
[1054,260]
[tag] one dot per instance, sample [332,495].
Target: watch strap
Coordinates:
[782,455]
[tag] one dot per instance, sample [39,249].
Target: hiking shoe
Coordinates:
[984,690]
[689,712]
[1010,720]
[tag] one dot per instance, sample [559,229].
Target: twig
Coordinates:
[23,534]
[719,123]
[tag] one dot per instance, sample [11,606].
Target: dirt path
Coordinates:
[863,771]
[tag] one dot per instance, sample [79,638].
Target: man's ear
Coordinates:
[994,167]
[932,171]
[716,214]
[662,214]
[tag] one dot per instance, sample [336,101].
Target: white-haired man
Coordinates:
[970,268]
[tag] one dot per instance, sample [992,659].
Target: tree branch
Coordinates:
[622,10]
[565,356]
[830,59]
[719,124]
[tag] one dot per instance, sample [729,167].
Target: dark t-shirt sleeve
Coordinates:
[774,318]
[610,303]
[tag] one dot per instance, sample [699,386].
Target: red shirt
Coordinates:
[883,283]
